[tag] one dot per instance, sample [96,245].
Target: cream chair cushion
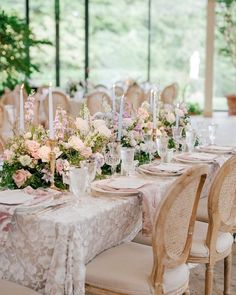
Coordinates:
[9,288]
[224,241]
[126,269]
[141,239]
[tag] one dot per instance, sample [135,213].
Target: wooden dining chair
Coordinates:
[135,96]
[212,240]
[97,100]
[170,93]
[10,288]
[133,268]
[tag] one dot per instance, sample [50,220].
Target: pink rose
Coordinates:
[86,152]
[20,177]
[59,166]
[44,153]
[33,148]
[8,155]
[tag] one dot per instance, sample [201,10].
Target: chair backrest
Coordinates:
[6,126]
[97,100]
[135,95]
[60,100]
[222,201]
[169,93]
[174,222]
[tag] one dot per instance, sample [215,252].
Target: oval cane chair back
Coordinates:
[97,100]
[222,201]
[60,100]
[6,126]
[174,223]
[169,93]
[135,95]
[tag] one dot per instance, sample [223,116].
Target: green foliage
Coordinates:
[15,40]
[227,28]
[194,108]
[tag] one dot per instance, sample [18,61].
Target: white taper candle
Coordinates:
[50,113]
[22,113]
[120,123]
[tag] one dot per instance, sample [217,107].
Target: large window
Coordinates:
[178,46]
[118,43]
[42,22]
[118,40]
[72,41]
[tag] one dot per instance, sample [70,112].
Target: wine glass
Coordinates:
[91,167]
[112,157]
[190,139]
[162,147]
[78,181]
[177,133]
[127,158]
[212,132]
[150,146]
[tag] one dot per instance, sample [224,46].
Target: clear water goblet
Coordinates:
[78,181]
[91,167]
[113,156]
[127,158]
[177,133]
[212,133]
[162,147]
[150,146]
[190,139]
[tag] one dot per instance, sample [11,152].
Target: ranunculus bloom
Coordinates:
[76,143]
[44,153]
[170,117]
[25,160]
[86,152]
[82,125]
[20,177]
[33,148]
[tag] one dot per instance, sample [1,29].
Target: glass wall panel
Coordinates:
[178,46]
[16,7]
[72,40]
[118,40]
[42,22]
[224,69]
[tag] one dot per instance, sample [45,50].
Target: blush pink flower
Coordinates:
[59,166]
[44,153]
[33,148]
[20,177]
[76,143]
[8,155]
[86,152]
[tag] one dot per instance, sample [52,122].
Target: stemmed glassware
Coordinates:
[78,181]
[150,145]
[212,132]
[162,147]
[190,139]
[112,157]
[177,133]
[128,163]
[91,168]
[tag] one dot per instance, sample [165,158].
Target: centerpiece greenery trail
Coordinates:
[15,40]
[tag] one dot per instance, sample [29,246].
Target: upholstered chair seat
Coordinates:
[10,288]
[126,269]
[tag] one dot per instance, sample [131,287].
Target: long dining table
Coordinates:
[47,250]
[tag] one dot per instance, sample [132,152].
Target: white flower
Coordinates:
[82,125]
[25,160]
[98,123]
[170,117]
[179,112]
[127,122]
[104,131]
[44,153]
[27,135]
[75,143]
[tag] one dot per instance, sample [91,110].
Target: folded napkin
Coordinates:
[198,156]
[166,167]
[217,148]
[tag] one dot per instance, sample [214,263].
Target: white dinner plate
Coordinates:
[14,197]
[196,158]
[215,149]
[162,171]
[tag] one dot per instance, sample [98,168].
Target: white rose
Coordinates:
[25,160]
[27,135]
[179,112]
[75,143]
[82,125]
[170,117]
[98,123]
[104,131]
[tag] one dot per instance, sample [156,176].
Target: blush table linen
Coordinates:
[48,252]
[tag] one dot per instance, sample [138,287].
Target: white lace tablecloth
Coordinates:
[48,252]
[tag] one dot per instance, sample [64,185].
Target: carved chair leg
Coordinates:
[227,274]
[209,279]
